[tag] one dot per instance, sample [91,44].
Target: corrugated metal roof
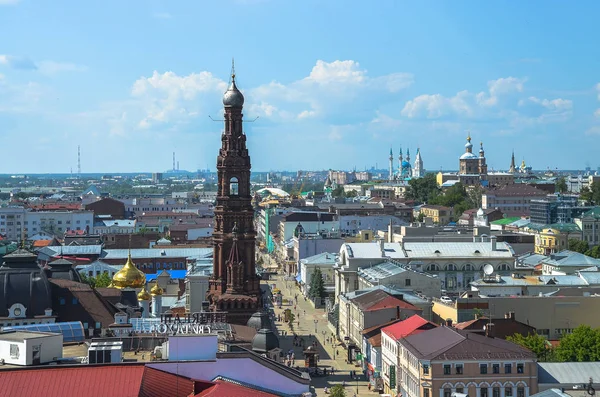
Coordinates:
[73,249]
[89,381]
[458,250]
[193,253]
[568,373]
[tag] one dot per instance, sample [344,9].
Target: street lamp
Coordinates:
[315,321]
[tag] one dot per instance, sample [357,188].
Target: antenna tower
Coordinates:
[79,161]
[173,161]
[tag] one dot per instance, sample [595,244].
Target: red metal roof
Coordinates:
[89,381]
[410,326]
[225,389]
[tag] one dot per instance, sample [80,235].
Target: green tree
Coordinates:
[100,281]
[338,192]
[291,319]
[420,217]
[581,345]
[351,193]
[578,245]
[337,391]
[534,342]
[561,185]
[594,252]
[317,286]
[422,190]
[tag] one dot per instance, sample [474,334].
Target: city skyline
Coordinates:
[333,85]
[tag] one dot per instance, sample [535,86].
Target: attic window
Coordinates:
[477,252]
[437,252]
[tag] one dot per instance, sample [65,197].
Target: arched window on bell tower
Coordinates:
[234,187]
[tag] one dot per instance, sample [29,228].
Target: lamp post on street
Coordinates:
[316,322]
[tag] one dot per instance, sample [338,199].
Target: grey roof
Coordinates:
[373,250]
[458,250]
[52,250]
[550,393]
[568,258]
[385,270]
[20,336]
[194,253]
[325,258]
[444,343]
[568,373]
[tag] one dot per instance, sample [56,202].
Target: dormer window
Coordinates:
[233,186]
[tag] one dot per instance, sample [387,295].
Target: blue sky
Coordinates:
[334,83]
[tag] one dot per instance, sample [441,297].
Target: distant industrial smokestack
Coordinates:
[173,161]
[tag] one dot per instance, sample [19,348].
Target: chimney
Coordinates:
[511,315]
[493,240]
[48,312]
[449,322]
[397,312]
[489,330]
[382,247]
[390,232]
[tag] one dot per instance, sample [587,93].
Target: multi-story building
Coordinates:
[352,224]
[390,336]
[368,309]
[307,266]
[512,200]
[117,226]
[341,177]
[552,238]
[311,222]
[137,205]
[556,208]
[438,214]
[11,222]
[589,223]
[456,264]
[441,361]
[394,275]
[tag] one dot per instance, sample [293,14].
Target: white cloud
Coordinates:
[8,2]
[168,97]
[45,67]
[500,102]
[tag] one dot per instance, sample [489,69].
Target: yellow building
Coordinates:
[437,213]
[550,239]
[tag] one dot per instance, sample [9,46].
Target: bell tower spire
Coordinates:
[234,286]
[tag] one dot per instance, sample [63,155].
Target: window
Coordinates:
[98,325]
[61,301]
[75,301]
[425,369]
[425,392]
[459,369]
[407,282]
[483,392]
[447,392]
[233,186]
[14,350]
[520,368]
[447,369]
[496,392]
[520,392]
[460,390]
[508,392]
[483,368]
[496,368]
[507,369]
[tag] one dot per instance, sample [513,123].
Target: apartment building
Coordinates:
[390,336]
[443,360]
[16,222]
[512,200]
[438,214]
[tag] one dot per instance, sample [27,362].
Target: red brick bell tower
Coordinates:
[234,286]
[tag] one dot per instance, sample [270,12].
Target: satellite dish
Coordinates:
[488,269]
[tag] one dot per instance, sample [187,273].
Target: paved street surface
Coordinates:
[306,316]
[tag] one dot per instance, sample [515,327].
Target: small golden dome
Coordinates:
[129,276]
[156,290]
[143,295]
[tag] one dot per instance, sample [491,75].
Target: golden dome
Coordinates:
[143,295]
[156,290]
[129,276]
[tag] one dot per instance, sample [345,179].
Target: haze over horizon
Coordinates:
[334,84]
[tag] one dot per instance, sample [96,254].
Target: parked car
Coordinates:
[446,299]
